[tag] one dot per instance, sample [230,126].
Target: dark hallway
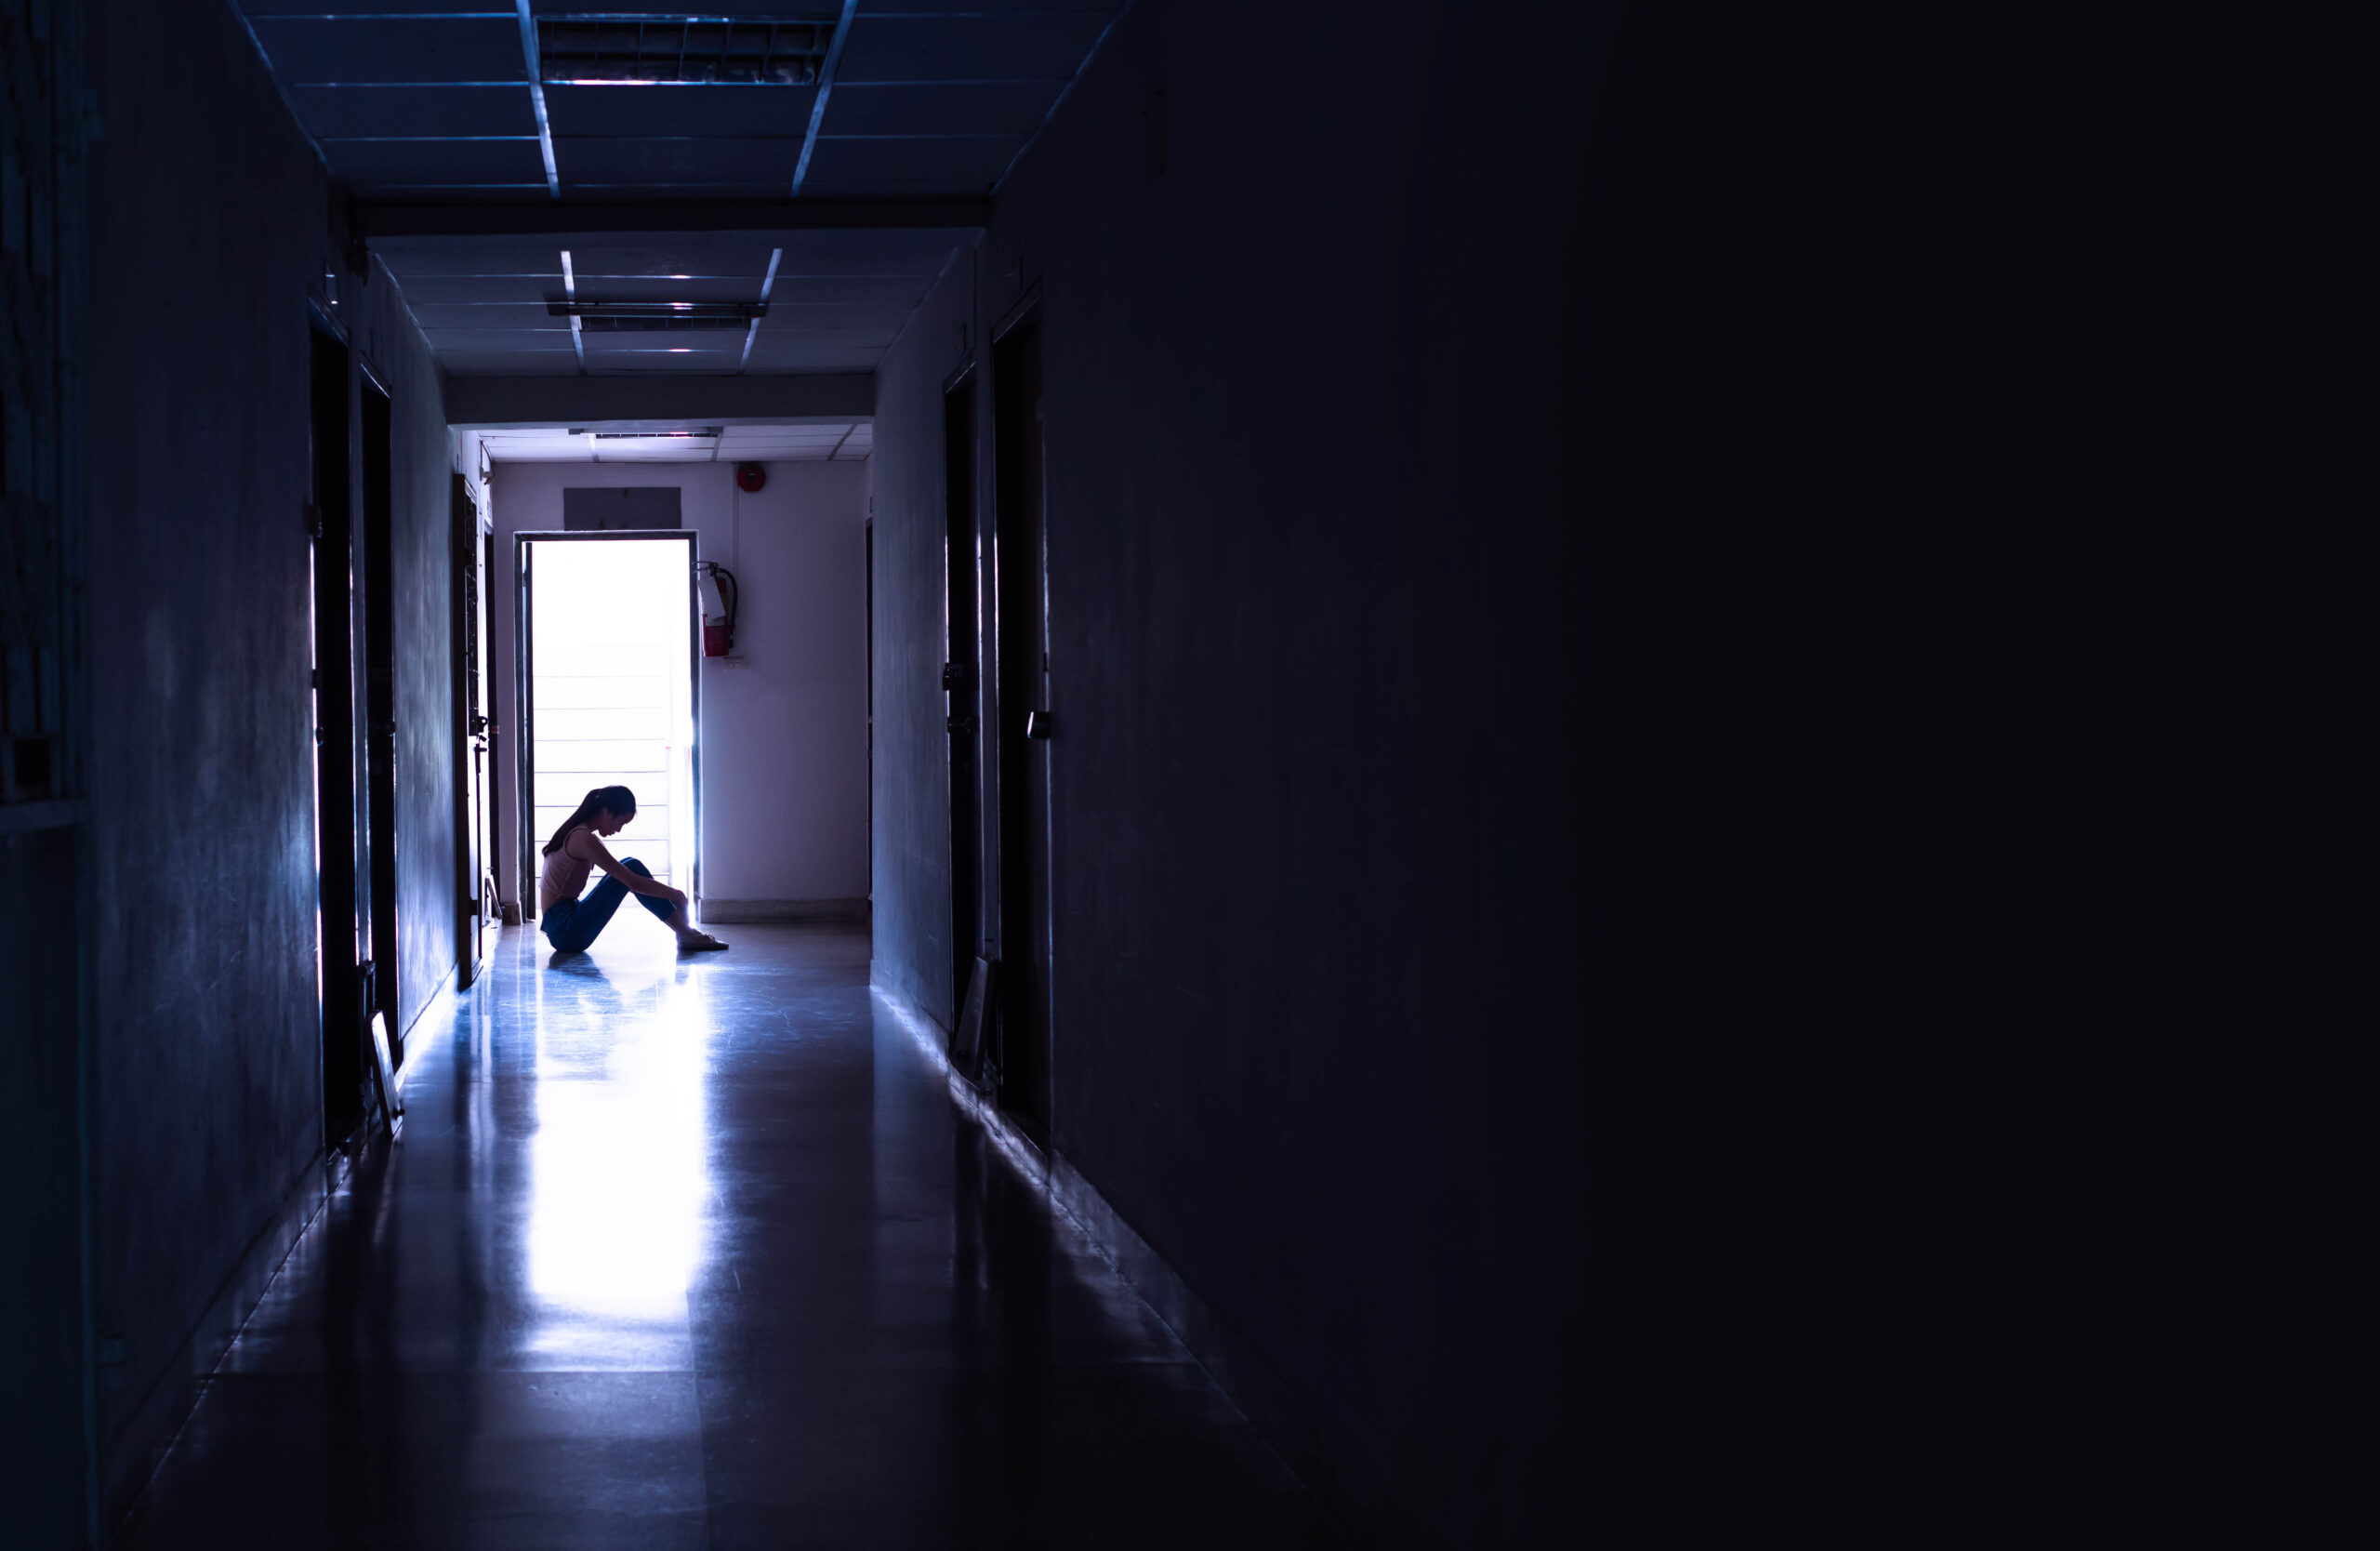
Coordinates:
[1066,772]
[701,1255]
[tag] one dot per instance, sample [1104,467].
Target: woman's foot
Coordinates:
[698,942]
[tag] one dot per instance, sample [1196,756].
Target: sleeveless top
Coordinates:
[564,875]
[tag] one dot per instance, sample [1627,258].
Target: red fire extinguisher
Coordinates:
[716,585]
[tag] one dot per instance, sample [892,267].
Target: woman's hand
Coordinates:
[676,897]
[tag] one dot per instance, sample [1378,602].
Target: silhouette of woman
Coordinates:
[570,922]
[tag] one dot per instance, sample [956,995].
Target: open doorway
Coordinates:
[609,695]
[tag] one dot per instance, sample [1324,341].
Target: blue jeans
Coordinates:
[573,924]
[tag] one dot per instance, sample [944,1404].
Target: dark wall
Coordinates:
[44,1460]
[423,589]
[41,1337]
[1338,1011]
[210,223]
[909,886]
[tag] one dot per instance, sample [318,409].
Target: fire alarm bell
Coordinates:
[750,477]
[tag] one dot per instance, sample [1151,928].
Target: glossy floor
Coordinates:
[700,1253]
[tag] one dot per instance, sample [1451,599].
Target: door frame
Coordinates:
[1015,903]
[963,649]
[469,658]
[524,671]
[378,770]
[339,879]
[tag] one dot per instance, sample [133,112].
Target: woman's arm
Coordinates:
[587,846]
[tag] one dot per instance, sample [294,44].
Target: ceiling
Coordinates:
[844,102]
[791,444]
[838,298]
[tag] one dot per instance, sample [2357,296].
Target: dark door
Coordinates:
[471,734]
[1020,563]
[380,709]
[338,939]
[960,678]
[491,740]
[867,590]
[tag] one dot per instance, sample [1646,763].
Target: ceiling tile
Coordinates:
[1028,45]
[963,163]
[766,163]
[261,9]
[728,255]
[314,51]
[819,358]
[663,358]
[427,291]
[901,291]
[679,112]
[450,318]
[912,108]
[373,163]
[760,446]
[333,113]
[425,257]
[607,287]
[507,363]
[475,339]
[921,254]
[794,313]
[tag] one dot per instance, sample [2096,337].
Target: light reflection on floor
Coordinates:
[698,1256]
[619,1179]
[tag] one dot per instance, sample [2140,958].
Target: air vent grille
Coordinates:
[683,50]
[641,317]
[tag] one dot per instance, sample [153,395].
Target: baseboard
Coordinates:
[132,1455]
[729,911]
[1275,1410]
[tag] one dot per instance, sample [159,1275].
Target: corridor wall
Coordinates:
[1336,1002]
[210,223]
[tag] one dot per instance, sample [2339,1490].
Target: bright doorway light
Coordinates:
[612,690]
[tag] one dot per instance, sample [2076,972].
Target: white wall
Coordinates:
[784,722]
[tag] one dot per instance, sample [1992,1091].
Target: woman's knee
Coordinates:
[635,866]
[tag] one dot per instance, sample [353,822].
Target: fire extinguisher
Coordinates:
[719,592]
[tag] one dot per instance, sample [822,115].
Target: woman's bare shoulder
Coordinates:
[583,843]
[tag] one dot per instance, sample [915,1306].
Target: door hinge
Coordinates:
[957,675]
[313,519]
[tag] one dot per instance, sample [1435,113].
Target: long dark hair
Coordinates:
[619,799]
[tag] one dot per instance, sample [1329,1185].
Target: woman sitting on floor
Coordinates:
[570,922]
